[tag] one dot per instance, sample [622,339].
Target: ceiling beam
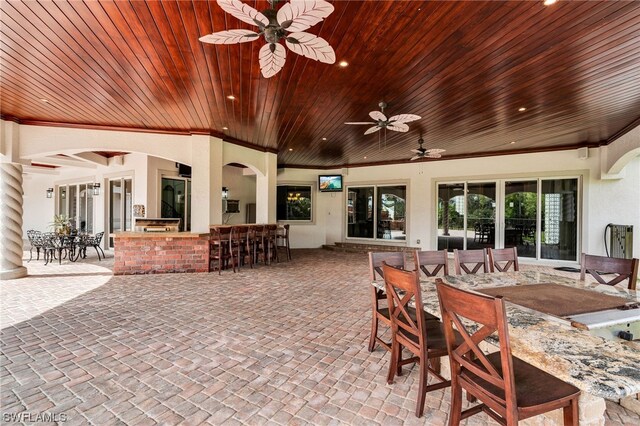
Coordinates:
[40,170]
[91,157]
[59,160]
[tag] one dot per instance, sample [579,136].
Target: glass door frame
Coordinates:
[186,224]
[109,236]
[500,219]
[59,188]
[375,186]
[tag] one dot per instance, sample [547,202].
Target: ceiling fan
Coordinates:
[293,17]
[396,123]
[422,152]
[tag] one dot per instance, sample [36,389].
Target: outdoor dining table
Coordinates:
[600,368]
[73,245]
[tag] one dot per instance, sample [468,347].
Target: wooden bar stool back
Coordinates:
[271,235]
[282,240]
[438,260]
[220,248]
[241,246]
[501,260]
[508,388]
[424,339]
[625,269]
[470,261]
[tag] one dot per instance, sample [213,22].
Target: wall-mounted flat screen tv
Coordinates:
[330,183]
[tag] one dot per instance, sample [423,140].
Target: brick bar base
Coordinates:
[146,253]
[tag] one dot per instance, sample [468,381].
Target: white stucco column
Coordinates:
[11,222]
[206,182]
[266,187]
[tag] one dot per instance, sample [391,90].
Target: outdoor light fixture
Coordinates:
[49,192]
[225,192]
[96,188]
[63,193]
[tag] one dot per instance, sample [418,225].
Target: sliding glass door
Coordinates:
[377,212]
[537,216]
[120,206]
[76,202]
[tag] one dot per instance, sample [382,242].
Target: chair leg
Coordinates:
[455,413]
[393,365]
[570,413]
[37,253]
[97,252]
[422,388]
[374,331]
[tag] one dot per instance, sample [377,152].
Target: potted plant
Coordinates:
[60,224]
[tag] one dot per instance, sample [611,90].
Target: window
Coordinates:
[294,202]
[76,202]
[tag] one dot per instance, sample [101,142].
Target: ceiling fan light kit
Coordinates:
[287,23]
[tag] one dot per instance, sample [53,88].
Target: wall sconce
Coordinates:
[63,193]
[96,188]
[225,192]
[49,192]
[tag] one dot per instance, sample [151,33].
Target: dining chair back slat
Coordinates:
[437,260]
[470,261]
[502,260]
[596,266]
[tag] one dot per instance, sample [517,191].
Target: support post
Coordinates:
[11,222]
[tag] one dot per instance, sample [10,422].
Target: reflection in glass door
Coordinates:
[481,215]
[120,207]
[450,216]
[391,209]
[520,216]
[559,219]
[176,200]
[360,212]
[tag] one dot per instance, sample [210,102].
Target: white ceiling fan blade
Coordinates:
[359,122]
[398,127]
[435,151]
[229,37]
[372,130]
[299,15]
[434,155]
[312,47]
[243,12]
[415,157]
[377,115]
[404,118]
[272,62]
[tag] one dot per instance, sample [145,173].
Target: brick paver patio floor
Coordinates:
[281,344]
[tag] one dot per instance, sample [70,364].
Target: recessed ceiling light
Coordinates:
[522,109]
[44,100]
[549,2]
[365,157]
[324,139]
[225,128]
[344,64]
[290,149]
[231,97]
[512,142]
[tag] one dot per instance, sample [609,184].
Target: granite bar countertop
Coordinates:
[160,235]
[606,368]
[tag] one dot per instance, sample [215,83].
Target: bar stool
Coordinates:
[220,248]
[240,246]
[282,239]
[270,235]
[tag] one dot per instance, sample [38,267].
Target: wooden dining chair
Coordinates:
[470,261]
[501,260]
[624,269]
[424,339]
[240,246]
[380,312]
[437,260]
[508,388]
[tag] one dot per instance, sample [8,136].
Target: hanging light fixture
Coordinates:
[96,188]
[49,192]
[225,192]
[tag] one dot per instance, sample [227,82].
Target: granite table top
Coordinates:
[606,368]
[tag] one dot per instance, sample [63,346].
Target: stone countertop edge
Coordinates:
[160,235]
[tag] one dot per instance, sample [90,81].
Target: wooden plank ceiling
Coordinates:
[465,66]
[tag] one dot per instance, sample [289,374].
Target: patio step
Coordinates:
[365,248]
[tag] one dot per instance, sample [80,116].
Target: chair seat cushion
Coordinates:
[533,386]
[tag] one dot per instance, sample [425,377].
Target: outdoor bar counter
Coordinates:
[160,252]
